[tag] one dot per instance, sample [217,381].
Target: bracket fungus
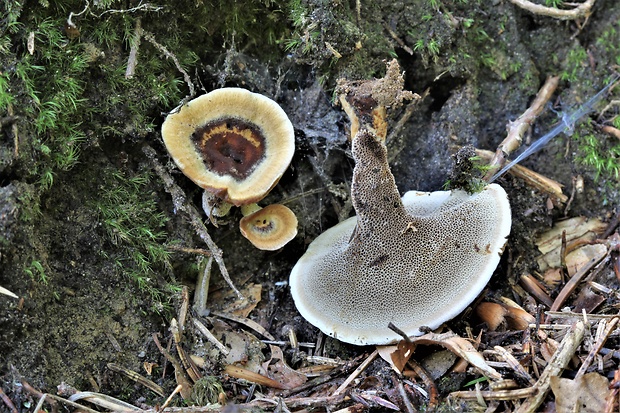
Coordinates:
[415,262]
[269,228]
[233,143]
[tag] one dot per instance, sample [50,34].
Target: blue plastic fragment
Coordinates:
[566,126]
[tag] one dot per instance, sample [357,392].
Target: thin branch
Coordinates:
[583,10]
[517,129]
[180,204]
[132,61]
[149,36]
[559,361]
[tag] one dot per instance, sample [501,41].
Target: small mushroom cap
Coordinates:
[231,142]
[269,228]
[419,276]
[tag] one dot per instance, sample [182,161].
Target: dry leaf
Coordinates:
[585,394]
[583,255]
[458,345]
[226,300]
[281,371]
[550,242]
[397,355]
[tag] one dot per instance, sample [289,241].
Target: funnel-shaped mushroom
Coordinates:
[269,228]
[233,143]
[415,262]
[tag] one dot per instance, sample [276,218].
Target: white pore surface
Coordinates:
[427,274]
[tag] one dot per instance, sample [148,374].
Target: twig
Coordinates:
[517,129]
[567,124]
[405,397]
[602,333]
[531,178]
[583,10]
[558,362]
[212,339]
[514,364]
[139,7]
[132,61]
[312,384]
[188,250]
[169,399]
[7,401]
[398,40]
[610,130]
[356,373]
[180,374]
[137,378]
[26,386]
[570,286]
[188,364]
[149,36]
[495,395]
[433,394]
[180,204]
[246,322]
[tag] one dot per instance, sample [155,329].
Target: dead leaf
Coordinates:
[397,355]
[458,345]
[550,242]
[585,394]
[227,301]
[281,371]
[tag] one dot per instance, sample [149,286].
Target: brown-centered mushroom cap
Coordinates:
[415,262]
[231,142]
[269,228]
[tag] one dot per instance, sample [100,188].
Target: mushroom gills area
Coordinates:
[230,146]
[421,273]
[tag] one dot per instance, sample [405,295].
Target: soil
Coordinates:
[80,306]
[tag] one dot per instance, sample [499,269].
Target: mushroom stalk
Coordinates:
[202,288]
[374,191]
[413,262]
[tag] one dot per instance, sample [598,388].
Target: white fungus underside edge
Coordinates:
[427,302]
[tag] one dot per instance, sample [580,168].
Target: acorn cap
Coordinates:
[231,142]
[269,228]
[415,276]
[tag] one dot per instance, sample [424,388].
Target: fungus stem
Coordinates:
[373,189]
[202,288]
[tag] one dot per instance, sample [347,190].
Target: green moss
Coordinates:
[575,64]
[134,225]
[598,153]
